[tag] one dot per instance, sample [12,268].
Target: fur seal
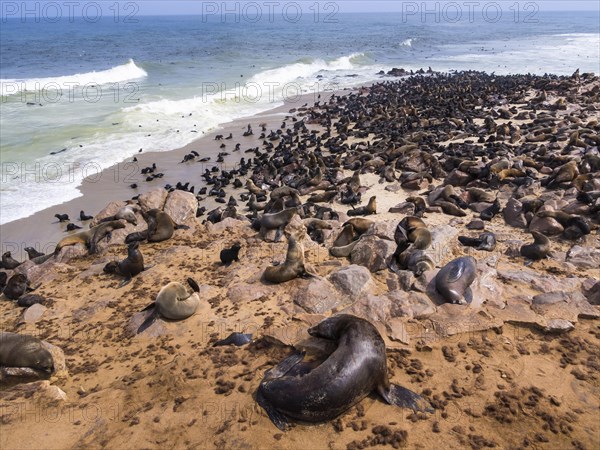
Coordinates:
[130,266]
[228,255]
[89,238]
[360,224]
[33,253]
[8,262]
[489,213]
[126,213]
[356,368]
[486,241]
[16,286]
[540,248]
[160,227]
[455,277]
[415,260]
[3,280]
[21,350]
[173,302]
[277,220]
[293,267]
[412,230]
[370,208]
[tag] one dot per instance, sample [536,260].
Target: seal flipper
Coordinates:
[136,236]
[284,366]
[181,227]
[278,419]
[193,285]
[405,398]
[278,234]
[125,282]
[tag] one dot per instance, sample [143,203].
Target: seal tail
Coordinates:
[107,219]
[405,398]
[181,227]
[193,285]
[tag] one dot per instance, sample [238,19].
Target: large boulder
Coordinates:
[181,206]
[352,280]
[546,225]
[373,253]
[154,199]
[513,214]
[316,296]
[584,257]
[109,210]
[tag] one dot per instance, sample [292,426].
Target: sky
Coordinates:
[15,8]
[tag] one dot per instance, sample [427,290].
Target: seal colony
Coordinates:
[450,176]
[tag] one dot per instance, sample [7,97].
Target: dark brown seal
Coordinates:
[21,350]
[130,266]
[453,280]
[356,368]
[540,248]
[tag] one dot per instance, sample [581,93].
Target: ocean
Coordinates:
[80,95]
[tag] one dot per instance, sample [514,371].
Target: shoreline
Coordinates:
[42,231]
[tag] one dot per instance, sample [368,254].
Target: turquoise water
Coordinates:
[104,90]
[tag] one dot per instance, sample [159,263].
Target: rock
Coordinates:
[181,206]
[457,178]
[406,279]
[583,257]
[546,225]
[479,206]
[158,328]
[383,229]
[550,298]
[542,283]
[316,296]
[247,292]
[154,199]
[591,290]
[70,252]
[443,239]
[395,187]
[40,392]
[513,214]
[476,225]
[352,280]
[396,331]
[228,223]
[371,307]
[37,273]
[406,208]
[578,208]
[558,326]
[32,314]
[373,253]
[412,305]
[109,210]
[486,289]
[58,358]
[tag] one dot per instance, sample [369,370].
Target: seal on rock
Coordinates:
[160,227]
[293,267]
[21,350]
[173,302]
[16,286]
[356,368]
[540,248]
[91,237]
[455,277]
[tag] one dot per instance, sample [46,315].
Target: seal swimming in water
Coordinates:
[455,277]
[89,238]
[173,302]
[130,266]
[160,227]
[540,248]
[356,368]
[21,350]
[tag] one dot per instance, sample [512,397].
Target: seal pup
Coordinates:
[62,217]
[415,260]
[89,238]
[16,286]
[489,213]
[540,248]
[8,262]
[22,350]
[73,227]
[370,208]
[228,255]
[83,216]
[173,302]
[453,280]
[486,241]
[356,368]
[293,267]
[130,266]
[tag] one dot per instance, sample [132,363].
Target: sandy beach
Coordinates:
[516,367]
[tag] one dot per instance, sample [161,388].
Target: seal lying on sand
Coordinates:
[173,302]
[293,267]
[453,280]
[356,368]
[21,350]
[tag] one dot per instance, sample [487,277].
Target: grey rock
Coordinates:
[316,296]
[546,225]
[153,199]
[352,280]
[584,257]
[373,253]
[457,178]
[479,206]
[550,298]
[513,214]
[181,206]
[32,314]
[475,225]
[558,326]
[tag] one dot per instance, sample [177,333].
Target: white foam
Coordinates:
[406,43]
[118,74]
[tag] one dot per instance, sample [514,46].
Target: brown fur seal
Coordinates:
[89,238]
[540,248]
[130,266]
[277,220]
[370,208]
[411,230]
[173,302]
[455,277]
[360,224]
[283,191]
[345,237]
[415,260]
[126,213]
[293,267]
[8,262]
[16,286]
[160,227]
[356,368]
[254,189]
[21,350]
